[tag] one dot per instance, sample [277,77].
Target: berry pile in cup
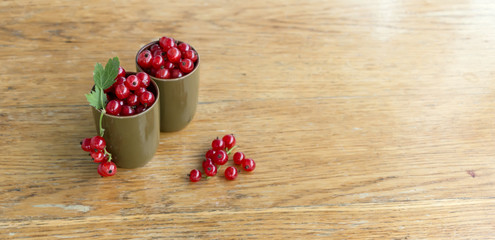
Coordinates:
[168,59]
[97,147]
[218,155]
[129,95]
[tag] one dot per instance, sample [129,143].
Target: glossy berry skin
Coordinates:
[210,154]
[229,141]
[166,43]
[147,98]
[107,169]
[169,65]
[132,82]
[140,91]
[144,59]
[121,72]
[132,100]
[176,73]
[86,144]
[231,173]
[191,55]
[207,162]
[144,79]
[211,170]
[220,157]
[98,143]
[157,61]
[183,47]
[217,144]
[195,175]
[163,73]
[140,108]
[113,107]
[186,66]
[127,111]
[238,157]
[122,92]
[174,55]
[155,47]
[248,164]
[98,156]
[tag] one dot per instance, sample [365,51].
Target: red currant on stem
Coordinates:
[121,72]
[147,98]
[186,66]
[238,158]
[107,169]
[132,100]
[217,144]
[183,47]
[86,144]
[98,143]
[166,43]
[127,111]
[211,170]
[122,91]
[144,79]
[132,82]
[176,73]
[113,107]
[229,141]
[231,173]
[174,55]
[190,54]
[207,162]
[144,59]
[163,73]
[195,175]
[221,157]
[248,164]
[98,156]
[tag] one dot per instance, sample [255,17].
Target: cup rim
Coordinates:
[157,98]
[166,80]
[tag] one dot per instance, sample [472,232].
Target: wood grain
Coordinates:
[367,120]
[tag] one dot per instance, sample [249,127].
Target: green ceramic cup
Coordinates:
[132,140]
[178,97]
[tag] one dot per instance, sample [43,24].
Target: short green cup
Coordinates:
[132,140]
[178,97]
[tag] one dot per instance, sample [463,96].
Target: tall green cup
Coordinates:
[178,97]
[132,140]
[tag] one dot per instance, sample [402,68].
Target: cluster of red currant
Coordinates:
[97,147]
[168,59]
[218,155]
[129,96]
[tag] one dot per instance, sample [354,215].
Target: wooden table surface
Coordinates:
[367,120]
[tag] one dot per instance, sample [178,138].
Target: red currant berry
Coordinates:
[119,81]
[211,170]
[195,175]
[113,107]
[132,100]
[174,55]
[155,47]
[98,160]
[140,91]
[221,157]
[231,173]
[238,158]
[166,43]
[109,89]
[248,164]
[169,65]
[127,111]
[229,141]
[147,98]
[163,73]
[217,144]
[122,91]
[132,82]
[191,55]
[98,156]
[157,61]
[183,47]
[186,66]
[158,52]
[144,59]
[121,72]
[86,144]
[140,108]
[152,71]
[210,153]
[107,168]
[98,143]
[176,73]
[144,79]
[207,162]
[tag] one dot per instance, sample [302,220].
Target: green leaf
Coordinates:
[95,98]
[105,77]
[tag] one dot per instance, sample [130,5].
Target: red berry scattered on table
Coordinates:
[231,173]
[195,175]
[218,155]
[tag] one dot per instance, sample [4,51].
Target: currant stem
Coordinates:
[230,150]
[102,131]
[109,154]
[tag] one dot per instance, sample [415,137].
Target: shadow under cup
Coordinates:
[178,97]
[132,140]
